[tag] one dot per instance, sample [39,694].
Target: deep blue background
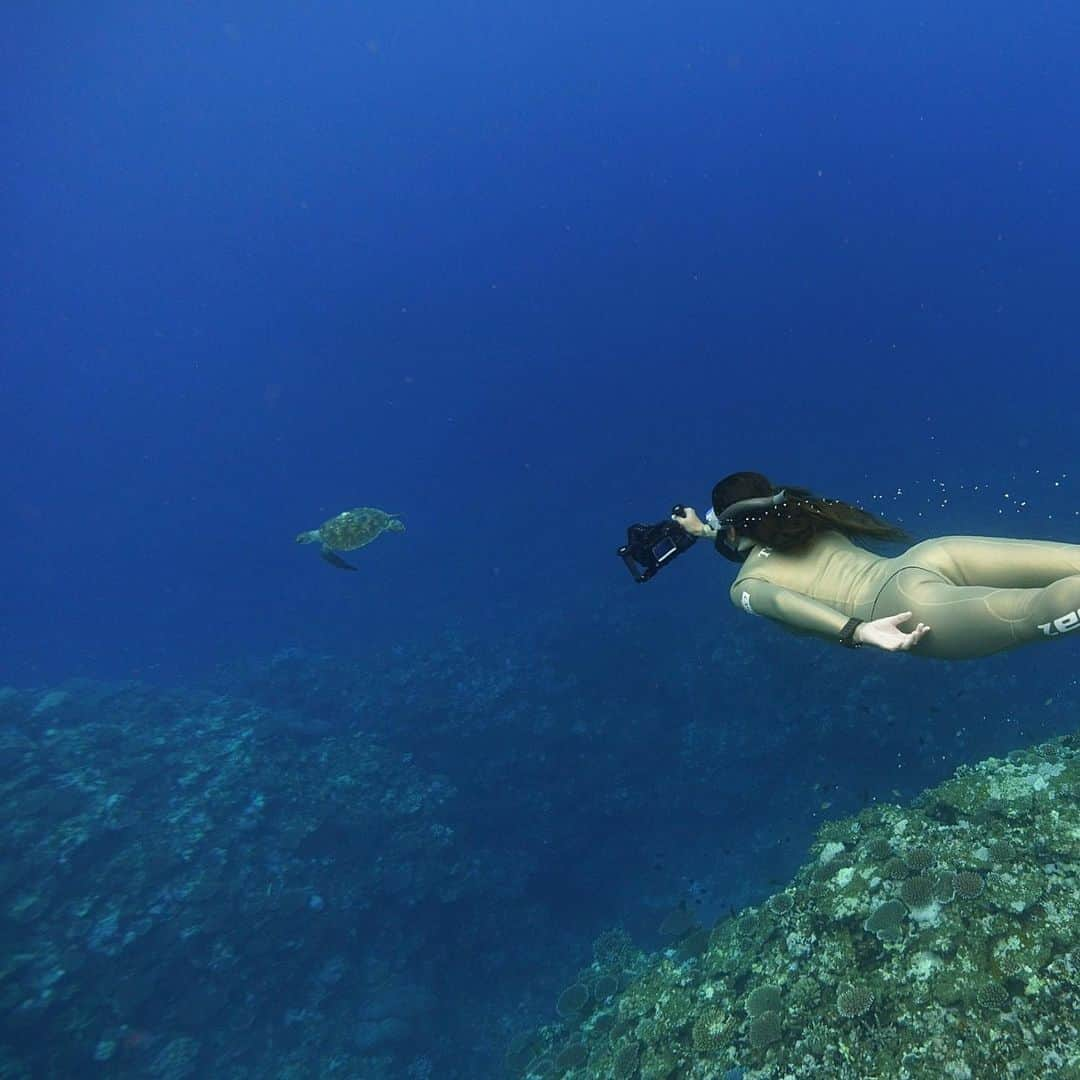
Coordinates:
[521,273]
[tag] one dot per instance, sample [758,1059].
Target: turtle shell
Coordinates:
[355,528]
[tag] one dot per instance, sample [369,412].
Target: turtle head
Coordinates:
[307,537]
[395,525]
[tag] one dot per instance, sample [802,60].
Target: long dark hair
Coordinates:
[800,518]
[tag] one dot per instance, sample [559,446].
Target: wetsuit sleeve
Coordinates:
[794,609]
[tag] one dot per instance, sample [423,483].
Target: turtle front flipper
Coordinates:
[334,559]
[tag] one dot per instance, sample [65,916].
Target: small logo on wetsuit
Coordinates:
[746,604]
[1069,621]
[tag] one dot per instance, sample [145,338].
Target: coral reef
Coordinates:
[958,957]
[181,887]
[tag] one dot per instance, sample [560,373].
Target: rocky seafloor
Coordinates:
[935,940]
[186,892]
[385,866]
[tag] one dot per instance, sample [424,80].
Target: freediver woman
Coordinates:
[966,596]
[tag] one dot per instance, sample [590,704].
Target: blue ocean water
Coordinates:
[522,274]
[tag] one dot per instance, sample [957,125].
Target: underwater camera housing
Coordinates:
[649,548]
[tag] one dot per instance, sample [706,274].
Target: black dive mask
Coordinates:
[730,553]
[743,511]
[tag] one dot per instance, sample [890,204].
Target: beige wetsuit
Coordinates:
[978,595]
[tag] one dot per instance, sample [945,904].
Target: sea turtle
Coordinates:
[350,530]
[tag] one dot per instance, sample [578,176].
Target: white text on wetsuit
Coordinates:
[1061,625]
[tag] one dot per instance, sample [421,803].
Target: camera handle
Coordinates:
[632,566]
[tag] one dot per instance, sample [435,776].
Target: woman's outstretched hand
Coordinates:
[691,522]
[886,633]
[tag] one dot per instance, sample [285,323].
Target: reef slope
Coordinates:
[940,939]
